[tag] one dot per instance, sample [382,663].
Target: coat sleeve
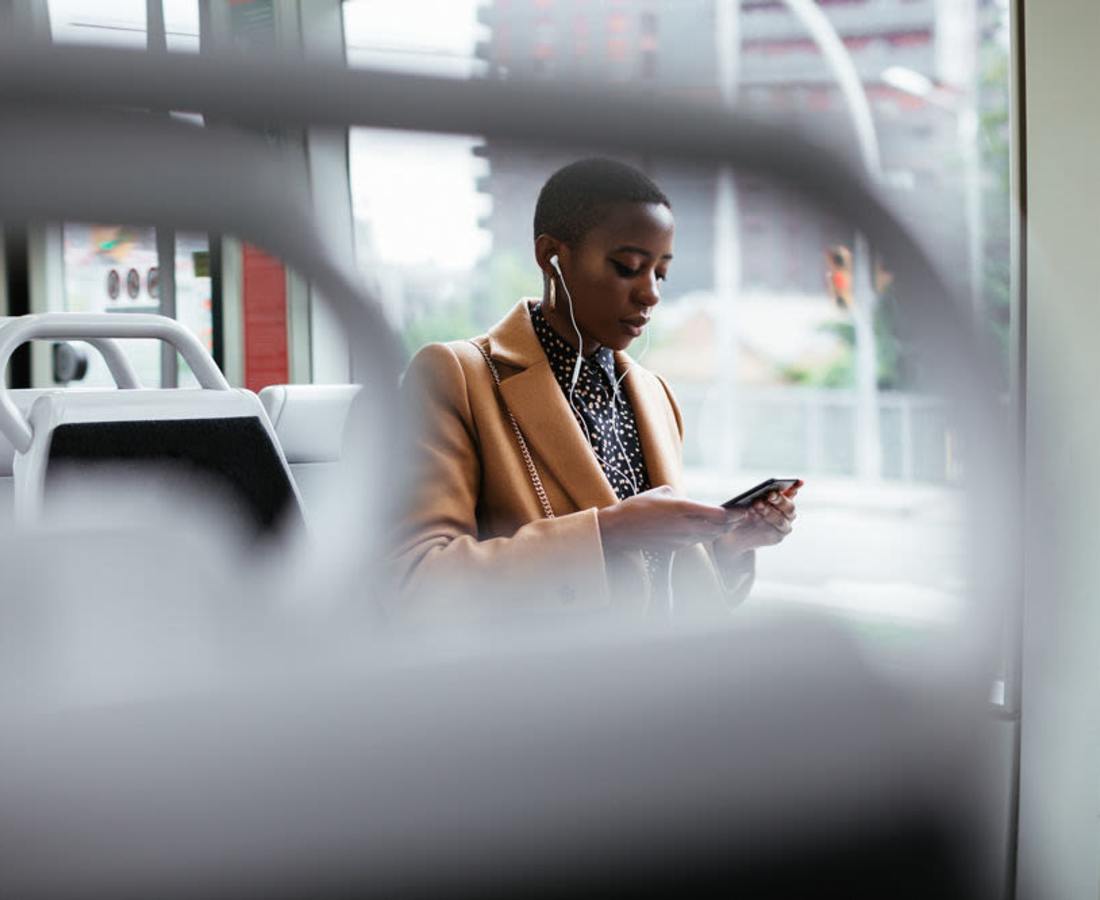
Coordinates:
[442,567]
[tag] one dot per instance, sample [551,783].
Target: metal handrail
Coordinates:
[97,329]
[117,364]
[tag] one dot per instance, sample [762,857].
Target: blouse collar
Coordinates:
[556,346]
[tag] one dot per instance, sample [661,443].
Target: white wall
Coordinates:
[1060,750]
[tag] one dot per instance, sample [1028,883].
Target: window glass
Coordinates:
[194,305]
[122,23]
[116,23]
[768,301]
[436,37]
[181,25]
[113,268]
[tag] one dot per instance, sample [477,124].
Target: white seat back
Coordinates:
[202,428]
[216,436]
[310,421]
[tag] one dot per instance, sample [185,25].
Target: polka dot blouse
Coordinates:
[605,416]
[607,419]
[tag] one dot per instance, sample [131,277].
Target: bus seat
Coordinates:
[310,421]
[23,399]
[214,439]
[223,437]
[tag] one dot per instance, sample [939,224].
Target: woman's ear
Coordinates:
[547,247]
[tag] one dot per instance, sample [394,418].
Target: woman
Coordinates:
[547,476]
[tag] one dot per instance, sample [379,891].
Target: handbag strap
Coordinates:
[536,481]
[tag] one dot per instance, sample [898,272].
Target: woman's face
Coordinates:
[613,274]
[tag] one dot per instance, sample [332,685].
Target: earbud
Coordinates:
[580,341]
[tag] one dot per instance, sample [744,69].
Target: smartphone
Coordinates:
[747,499]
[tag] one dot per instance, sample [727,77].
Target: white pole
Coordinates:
[156,41]
[839,61]
[727,249]
[972,165]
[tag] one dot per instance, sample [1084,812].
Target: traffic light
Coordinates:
[884,278]
[838,275]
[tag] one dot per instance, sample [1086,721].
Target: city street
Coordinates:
[891,551]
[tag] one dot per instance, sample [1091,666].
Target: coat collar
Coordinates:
[536,400]
[513,341]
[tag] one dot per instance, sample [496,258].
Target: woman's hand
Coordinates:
[768,522]
[659,520]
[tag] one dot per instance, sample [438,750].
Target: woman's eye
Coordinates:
[624,271]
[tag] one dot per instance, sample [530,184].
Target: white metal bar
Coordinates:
[93,326]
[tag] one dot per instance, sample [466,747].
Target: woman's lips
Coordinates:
[635,325]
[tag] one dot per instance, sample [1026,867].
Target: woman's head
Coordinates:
[611,228]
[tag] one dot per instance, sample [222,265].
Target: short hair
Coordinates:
[575,198]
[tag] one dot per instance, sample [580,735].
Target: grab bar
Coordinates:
[97,329]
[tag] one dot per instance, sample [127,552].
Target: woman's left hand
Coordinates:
[768,522]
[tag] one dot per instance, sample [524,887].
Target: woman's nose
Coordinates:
[649,293]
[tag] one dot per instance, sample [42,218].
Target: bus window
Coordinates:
[114,268]
[778,328]
[122,23]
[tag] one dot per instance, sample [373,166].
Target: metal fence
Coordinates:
[812,431]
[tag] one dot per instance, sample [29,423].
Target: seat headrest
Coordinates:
[309,419]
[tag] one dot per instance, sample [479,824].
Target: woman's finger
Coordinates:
[784,505]
[735,517]
[775,518]
[779,523]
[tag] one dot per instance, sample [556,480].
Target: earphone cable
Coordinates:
[573,386]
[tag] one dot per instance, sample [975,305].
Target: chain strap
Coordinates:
[536,481]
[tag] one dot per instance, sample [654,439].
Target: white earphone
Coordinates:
[580,341]
[577,368]
[628,475]
[614,423]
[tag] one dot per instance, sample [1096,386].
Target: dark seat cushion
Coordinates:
[235,455]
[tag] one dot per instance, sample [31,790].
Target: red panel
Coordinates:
[265,325]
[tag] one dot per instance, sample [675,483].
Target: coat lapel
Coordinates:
[657,429]
[536,400]
[549,427]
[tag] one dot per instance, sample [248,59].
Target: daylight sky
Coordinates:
[417,191]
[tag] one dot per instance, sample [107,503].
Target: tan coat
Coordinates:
[475,538]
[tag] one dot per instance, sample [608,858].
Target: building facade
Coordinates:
[689,50]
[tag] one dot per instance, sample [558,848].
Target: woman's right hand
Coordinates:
[659,520]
